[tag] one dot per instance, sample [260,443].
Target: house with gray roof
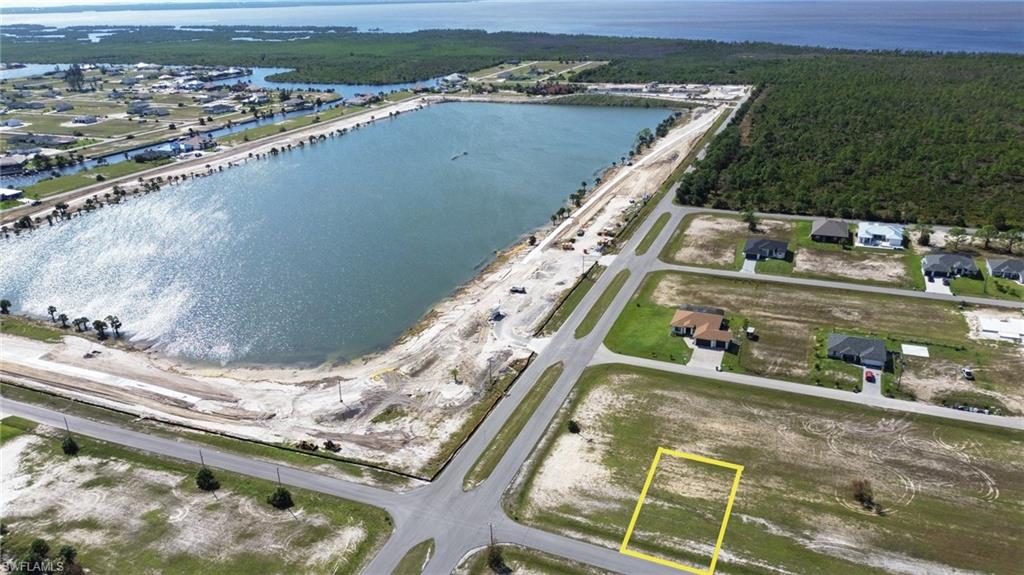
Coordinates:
[833,231]
[764,248]
[1011,269]
[865,351]
[943,265]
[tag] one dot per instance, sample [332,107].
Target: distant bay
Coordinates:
[945,25]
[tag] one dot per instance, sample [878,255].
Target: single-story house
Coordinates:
[1011,269]
[763,248]
[9,194]
[63,107]
[85,119]
[137,107]
[47,140]
[155,111]
[1003,329]
[833,231]
[706,325]
[200,142]
[218,109]
[13,164]
[878,235]
[361,100]
[12,123]
[296,104]
[865,351]
[948,265]
[26,105]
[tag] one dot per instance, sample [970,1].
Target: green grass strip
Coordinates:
[653,234]
[595,313]
[415,559]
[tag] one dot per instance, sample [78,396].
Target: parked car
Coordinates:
[517,289]
[869,376]
[968,373]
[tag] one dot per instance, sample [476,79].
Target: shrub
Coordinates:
[574,427]
[281,498]
[206,481]
[69,446]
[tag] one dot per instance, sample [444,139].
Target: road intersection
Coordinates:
[461,521]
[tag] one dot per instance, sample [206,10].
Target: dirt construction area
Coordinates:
[128,512]
[858,265]
[788,319]
[712,240]
[402,408]
[798,508]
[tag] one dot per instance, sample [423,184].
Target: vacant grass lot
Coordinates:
[127,511]
[51,124]
[791,322]
[949,492]
[84,178]
[22,327]
[716,241]
[829,261]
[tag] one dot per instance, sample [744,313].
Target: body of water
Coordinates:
[944,25]
[257,78]
[331,251]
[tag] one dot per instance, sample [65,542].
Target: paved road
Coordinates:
[459,521]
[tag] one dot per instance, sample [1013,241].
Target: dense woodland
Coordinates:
[903,136]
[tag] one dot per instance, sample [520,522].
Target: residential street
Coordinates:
[459,521]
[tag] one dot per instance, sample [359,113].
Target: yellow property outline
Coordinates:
[624,549]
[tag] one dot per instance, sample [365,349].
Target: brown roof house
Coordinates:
[706,325]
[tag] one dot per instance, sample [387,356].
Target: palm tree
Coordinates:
[101,328]
[5,306]
[63,319]
[52,310]
[115,324]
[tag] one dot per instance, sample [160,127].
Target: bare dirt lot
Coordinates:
[712,240]
[129,512]
[858,265]
[795,510]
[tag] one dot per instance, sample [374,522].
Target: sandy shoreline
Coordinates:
[396,406]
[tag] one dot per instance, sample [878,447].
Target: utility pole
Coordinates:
[66,426]
[491,527]
[339,393]
[201,461]
[279,477]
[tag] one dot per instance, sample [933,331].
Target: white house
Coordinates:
[876,235]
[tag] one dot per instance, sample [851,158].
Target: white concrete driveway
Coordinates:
[749,266]
[704,358]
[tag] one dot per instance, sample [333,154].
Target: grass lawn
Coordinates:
[643,330]
[776,267]
[129,511]
[415,559]
[523,560]
[602,303]
[570,301]
[489,459]
[794,510]
[13,426]
[51,124]
[9,204]
[22,327]
[265,452]
[292,124]
[84,178]
[987,286]
[792,320]
[652,234]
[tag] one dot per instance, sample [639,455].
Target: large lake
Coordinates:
[946,25]
[328,252]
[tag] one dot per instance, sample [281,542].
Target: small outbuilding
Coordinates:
[865,351]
